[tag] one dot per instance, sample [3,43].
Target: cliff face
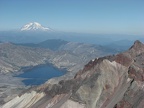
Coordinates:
[108,82]
[134,96]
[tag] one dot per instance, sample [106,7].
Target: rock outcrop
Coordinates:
[107,82]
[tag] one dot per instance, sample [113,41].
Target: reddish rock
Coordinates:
[138,75]
[123,104]
[123,59]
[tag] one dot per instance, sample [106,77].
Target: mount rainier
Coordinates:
[34,26]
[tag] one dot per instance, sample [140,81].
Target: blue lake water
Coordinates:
[40,74]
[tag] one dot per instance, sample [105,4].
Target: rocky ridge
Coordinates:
[107,82]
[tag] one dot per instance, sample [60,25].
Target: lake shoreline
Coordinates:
[36,75]
[28,68]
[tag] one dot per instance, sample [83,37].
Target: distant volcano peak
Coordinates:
[34,26]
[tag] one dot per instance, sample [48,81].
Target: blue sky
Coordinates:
[85,16]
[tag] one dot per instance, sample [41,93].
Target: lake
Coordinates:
[40,74]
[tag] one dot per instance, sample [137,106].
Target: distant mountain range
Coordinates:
[14,56]
[35,26]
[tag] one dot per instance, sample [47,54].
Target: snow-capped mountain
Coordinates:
[35,26]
